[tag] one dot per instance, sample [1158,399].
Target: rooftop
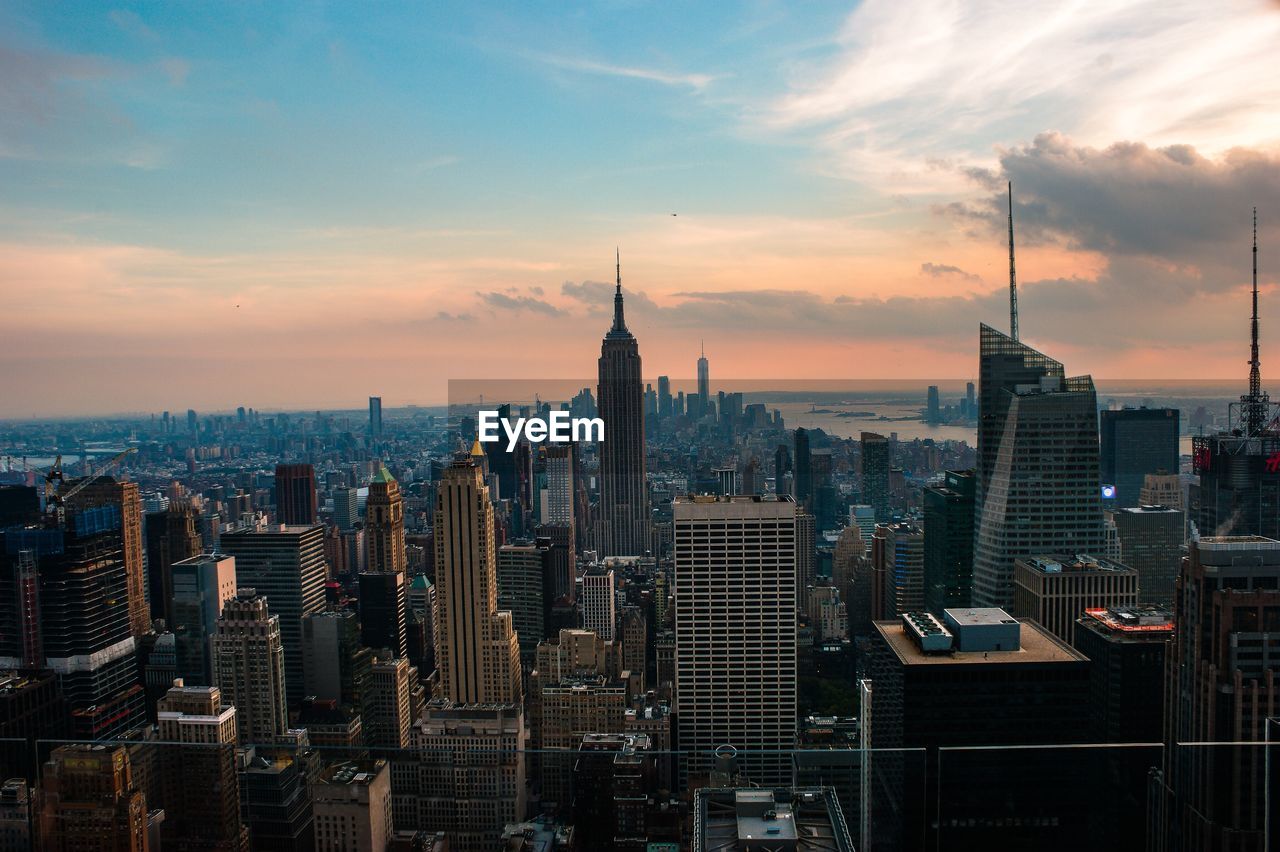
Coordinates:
[1037,646]
[1080,563]
[727,819]
[1132,619]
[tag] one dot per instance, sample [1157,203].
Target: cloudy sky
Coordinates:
[285,205]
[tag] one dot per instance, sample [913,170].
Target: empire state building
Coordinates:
[622,527]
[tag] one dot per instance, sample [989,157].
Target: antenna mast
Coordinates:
[1013,278]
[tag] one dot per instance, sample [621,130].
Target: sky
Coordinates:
[297,205]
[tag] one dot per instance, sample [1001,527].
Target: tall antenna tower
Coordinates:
[1256,405]
[1013,278]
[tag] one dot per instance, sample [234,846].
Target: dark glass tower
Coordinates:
[296,494]
[876,460]
[1041,492]
[623,524]
[948,542]
[803,468]
[1135,442]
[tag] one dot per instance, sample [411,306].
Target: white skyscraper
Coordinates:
[599,611]
[735,579]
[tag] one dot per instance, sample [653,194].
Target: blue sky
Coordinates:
[286,197]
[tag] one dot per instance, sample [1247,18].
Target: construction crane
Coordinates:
[55,500]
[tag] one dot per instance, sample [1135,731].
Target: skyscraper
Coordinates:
[933,408]
[803,468]
[1151,540]
[201,586]
[198,765]
[623,525]
[704,383]
[384,611]
[125,496]
[172,535]
[477,650]
[286,566]
[876,460]
[295,494]
[1137,442]
[1239,490]
[599,613]
[1221,674]
[352,803]
[92,801]
[375,418]
[948,542]
[897,557]
[1040,463]
[1055,590]
[384,523]
[248,661]
[735,590]
[526,590]
[558,507]
[82,630]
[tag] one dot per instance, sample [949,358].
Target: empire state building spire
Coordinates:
[619,324]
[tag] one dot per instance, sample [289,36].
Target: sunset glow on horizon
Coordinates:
[226,205]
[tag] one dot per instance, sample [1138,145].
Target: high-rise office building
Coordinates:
[735,591]
[897,562]
[335,664]
[465,774]
[286,566]
[171,536]
[1126,648]
[375,418]
[19,818]
[1163,490]
[781,467]
[73,576]
[384,611]
[848,552]
[933,407]
[351,801]
[296,494]
[1056,590]
[599,598]
[477,650]
[1151,543]
[976,677]
[198,764]
[1137,442]
[388,702]
[806,556]
[1221,674]
[558,496]
[92,802]
[384,524]
[665,401]
[704,384]
[1037,486]
[125,496]
[346,508]
[248,661]
[948,542]
[201,586]
[524,588]
[876,460]
[803,468]
[623,525]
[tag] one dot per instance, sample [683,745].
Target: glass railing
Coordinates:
[611,795]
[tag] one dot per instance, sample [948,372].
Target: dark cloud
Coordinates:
[445,316]
[1171,205]
[504,301]
[598,297]
[943,270]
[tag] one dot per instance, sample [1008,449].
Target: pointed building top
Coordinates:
[383,475]
[476,449]
[619,323]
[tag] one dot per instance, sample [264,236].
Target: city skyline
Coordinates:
[192,192]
